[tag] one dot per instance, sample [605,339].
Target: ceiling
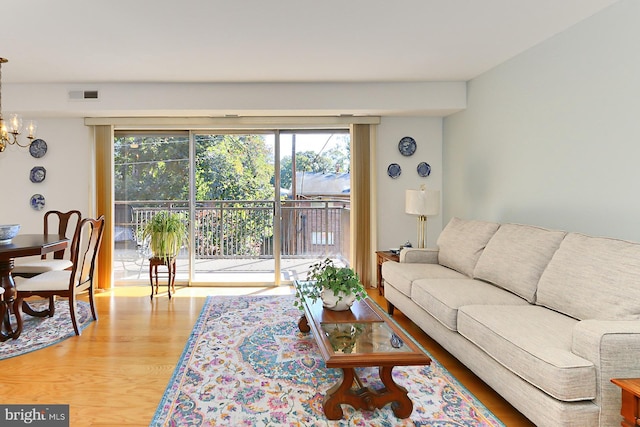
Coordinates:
[80,41]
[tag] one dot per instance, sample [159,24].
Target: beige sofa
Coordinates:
[545,317]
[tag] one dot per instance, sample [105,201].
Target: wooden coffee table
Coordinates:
[361,337]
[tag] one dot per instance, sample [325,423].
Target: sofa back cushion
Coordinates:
[516,256]
[593,278]
[461,243]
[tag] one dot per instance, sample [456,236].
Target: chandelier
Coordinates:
[10,130]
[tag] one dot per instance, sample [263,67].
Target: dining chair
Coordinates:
[66,283]
[66,221]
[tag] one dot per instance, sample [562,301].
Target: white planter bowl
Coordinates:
[335,302]
[8,232]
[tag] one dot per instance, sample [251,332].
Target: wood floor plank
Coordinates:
[117,371]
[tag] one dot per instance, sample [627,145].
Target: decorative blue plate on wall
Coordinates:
[37,202]
[407,146]
[394,170]
[38,174]
[38,148]
[424,169]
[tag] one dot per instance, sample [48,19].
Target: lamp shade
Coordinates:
[422,202]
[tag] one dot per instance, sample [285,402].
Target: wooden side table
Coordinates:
[383,256]
[630,408]
[154,262]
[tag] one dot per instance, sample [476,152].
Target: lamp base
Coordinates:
[422,231]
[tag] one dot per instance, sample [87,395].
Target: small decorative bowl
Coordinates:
[8,232]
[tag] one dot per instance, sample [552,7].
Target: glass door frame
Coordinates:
[104,128]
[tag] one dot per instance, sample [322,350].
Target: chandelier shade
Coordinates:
[13,127]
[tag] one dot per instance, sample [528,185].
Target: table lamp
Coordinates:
[423,203]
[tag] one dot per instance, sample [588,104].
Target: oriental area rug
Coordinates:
[40,332]
[247,364]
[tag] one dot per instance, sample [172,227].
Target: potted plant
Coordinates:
[338,287]
[166,231]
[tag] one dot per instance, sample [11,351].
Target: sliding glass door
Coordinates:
[261,205]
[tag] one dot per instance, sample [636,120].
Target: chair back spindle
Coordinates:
[86,244]
[63,219]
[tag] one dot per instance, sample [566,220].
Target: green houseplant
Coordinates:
[166,231]
[338,287]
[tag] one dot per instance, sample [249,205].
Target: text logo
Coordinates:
[34,415]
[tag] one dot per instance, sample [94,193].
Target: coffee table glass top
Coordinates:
[363,338]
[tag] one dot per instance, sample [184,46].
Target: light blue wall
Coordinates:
[552,137]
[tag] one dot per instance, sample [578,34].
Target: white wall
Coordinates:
[552,137]
[394,225]
[67,184]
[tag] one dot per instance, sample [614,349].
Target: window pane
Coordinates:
[151,173]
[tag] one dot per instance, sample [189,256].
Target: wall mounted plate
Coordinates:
[394,170]
[38,174]
[37,202]
[424,169]
[407,146]
[38,148]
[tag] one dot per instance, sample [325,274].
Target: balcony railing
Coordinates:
[245,228]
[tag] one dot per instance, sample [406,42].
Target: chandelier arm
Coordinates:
[17,142]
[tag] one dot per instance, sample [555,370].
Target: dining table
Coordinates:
[22,245]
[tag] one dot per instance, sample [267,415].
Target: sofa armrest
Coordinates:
[616,339]
[419,255]
[613,347]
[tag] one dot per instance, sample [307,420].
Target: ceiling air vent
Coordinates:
[82,95]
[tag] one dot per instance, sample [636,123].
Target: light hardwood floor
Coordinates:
[116,372]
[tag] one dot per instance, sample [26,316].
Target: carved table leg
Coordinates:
[170,280]
[8,330]
[151,277]
[338,394]
[303,325]
[173,277]
[395,393]
[6,281]
[366,398]
[155,273]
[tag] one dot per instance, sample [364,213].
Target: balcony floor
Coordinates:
[130,269]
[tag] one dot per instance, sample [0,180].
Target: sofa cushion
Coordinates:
[593,278]
[516,256]
[461,243]
[401,275]
[441,298]
[534,343]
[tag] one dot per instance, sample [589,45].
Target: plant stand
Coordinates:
[154,262]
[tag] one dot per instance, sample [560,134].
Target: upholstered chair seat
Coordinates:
[50,281]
